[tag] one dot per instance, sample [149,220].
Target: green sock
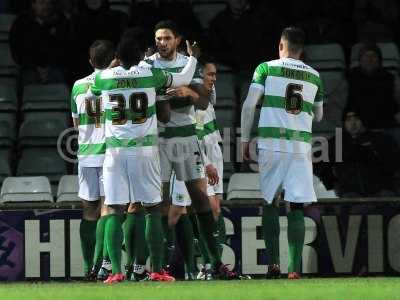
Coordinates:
[184,238]
[271,229]
[207,228]
[87,232]
[99,249]
[129,237]
[168,239]
[114,237]
[141,250]
[204,251]
[106,256]
[296,231]
[155,239]
[221,234]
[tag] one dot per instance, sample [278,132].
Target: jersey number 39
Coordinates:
[137,113]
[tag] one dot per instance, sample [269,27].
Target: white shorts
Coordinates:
[183,157]
[91,186]
[179,193]
[214,154]
[291,170]
[132,178]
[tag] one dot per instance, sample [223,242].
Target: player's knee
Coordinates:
[294,206]
[153,208]
[90,210]
[115,209]
[135,208]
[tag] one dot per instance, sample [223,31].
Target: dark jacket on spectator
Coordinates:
[370,161]
[373,97]
[40,44]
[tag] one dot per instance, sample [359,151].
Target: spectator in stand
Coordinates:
[377,20]
[237,36]
[146,14]
[39,42]
[370,162]
[330,24]
[372,91]
[181,12]
[94,21]
[67,8]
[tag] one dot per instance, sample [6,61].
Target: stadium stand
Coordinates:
[42,162]
[26,189]
[390,56]
[336,92]
[6,21]
[205,11]
[45,97]
[244,186]
[121,5]
[68,189]
[7,134]
[8,98]
[5,168]
[40,132]
[325,57]
[8,69]
[224,87]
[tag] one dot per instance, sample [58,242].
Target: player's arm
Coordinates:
[318,107]
[163,109]
[249,106]
[74,108]
[183,96]
[255,93]
[186,75]
[204,96]
[210,170]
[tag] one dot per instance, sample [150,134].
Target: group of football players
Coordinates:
[148,150]
[150,164]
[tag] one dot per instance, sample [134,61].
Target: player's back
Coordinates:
[291,89]
[89,113]
[129,101]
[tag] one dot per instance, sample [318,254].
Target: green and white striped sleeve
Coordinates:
[96,87]
[74,109]
[260,75]
[161,79]
[320,96]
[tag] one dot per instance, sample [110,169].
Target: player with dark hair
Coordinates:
[292,94]
[180,151]
[131,165]
[88,118]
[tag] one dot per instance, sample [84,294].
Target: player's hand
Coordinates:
[182,91]
[114,63]
[193,50]
[246,151]
[212,174]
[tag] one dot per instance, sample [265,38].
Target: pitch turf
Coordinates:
[324,289]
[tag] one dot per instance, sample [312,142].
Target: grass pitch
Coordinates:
[324,289]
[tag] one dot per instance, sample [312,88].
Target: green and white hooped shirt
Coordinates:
[206,127]
[129,98]
[182,122]
[291,89]
[89,112]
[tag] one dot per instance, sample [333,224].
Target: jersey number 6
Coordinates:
[137,113]
[294,99]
